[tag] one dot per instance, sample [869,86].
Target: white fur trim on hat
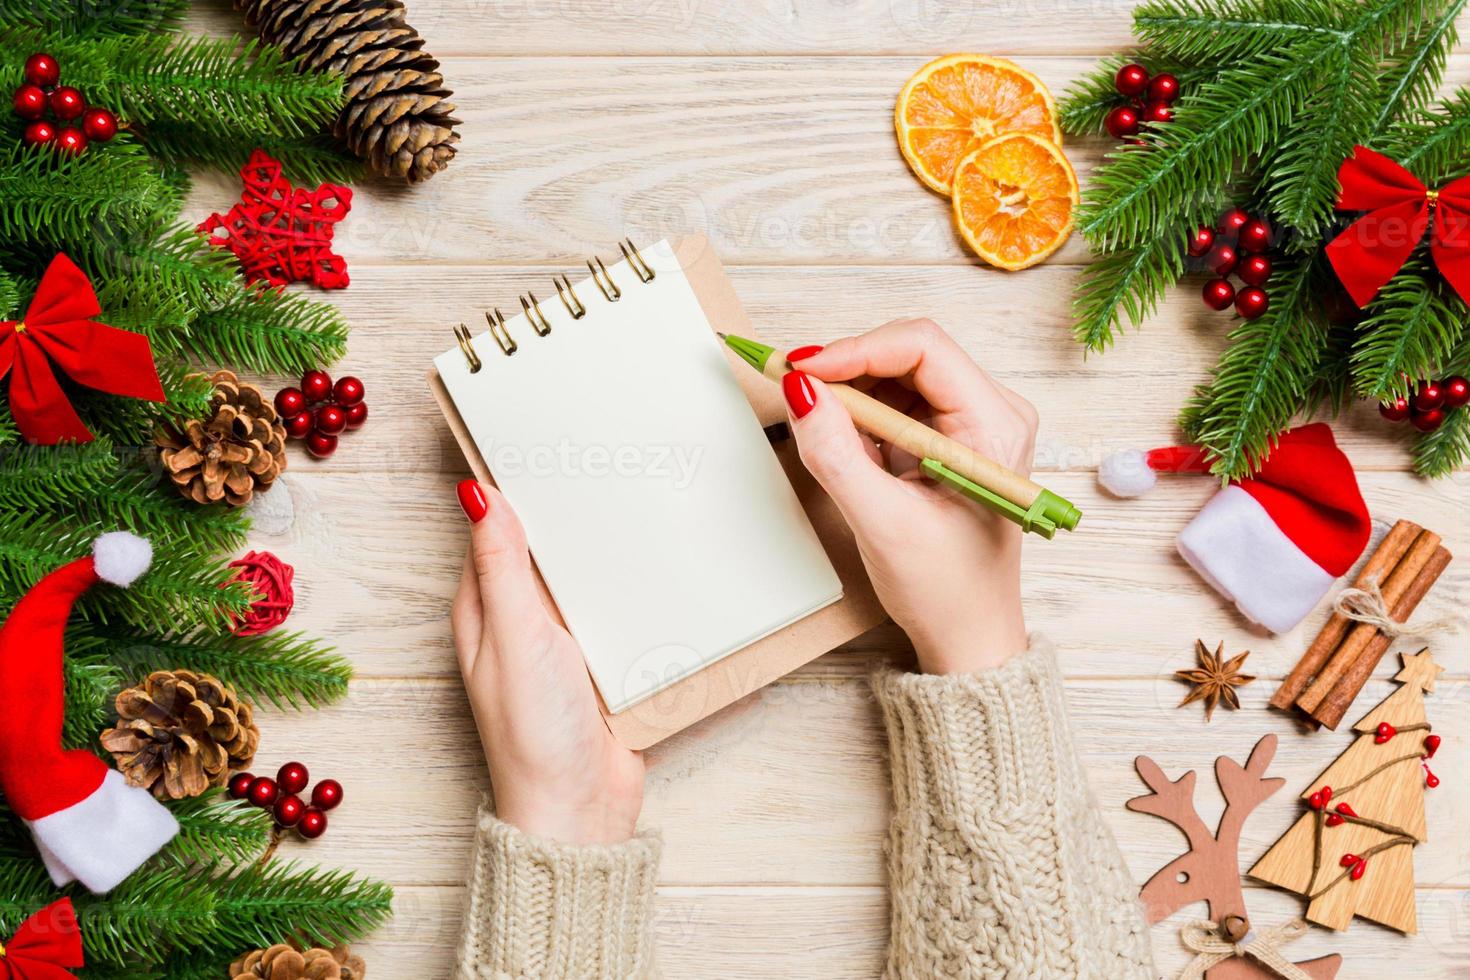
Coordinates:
[1127,474]
[120,557]
[1240,551]
[105,837]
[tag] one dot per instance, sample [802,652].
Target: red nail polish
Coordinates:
[802,353]
[800,394]
[472,500]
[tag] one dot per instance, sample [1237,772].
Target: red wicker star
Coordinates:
[281,233]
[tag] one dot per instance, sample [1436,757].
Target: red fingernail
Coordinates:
[800,394]
[472,500]
[802,353]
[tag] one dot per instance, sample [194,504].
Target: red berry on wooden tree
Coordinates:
[1456,391]
[41,69]
[1131,80]
[317,385]
[298,426]
[1158,112]
[1348,860]
[1254,270]
[1254,236]
[1430,779]
[263,791]
[1396,410]
[357,415]
[321,445]
[1201,241]
[67,102]
[1163,87]
[100,125]
[1222,259]
[1122,122]
[289,810]
[1428,421]
[72,140]
[1428,395]
[293,777]
[326,795]
[331,419]
[39,133]
[29,102]
[1431,745]
[239,786]
[1219,294]
[1231,222]
[290,401]
[313,823]
[348,391]
[1252,302]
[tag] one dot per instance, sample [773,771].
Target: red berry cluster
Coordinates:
[1152,100]
[1236,246]
[41,93]
[1431,402]
[282,796]
[320,411]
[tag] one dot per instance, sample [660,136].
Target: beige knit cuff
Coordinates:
[546,910]
[997,739]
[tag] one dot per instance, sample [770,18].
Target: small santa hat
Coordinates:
[89,823]
[1275,542]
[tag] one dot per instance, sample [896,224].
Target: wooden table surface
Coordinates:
[768,126]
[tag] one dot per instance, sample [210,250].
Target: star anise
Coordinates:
[1215,679]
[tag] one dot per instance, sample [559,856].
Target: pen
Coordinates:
[1003,490]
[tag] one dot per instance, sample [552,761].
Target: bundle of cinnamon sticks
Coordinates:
[1345,653]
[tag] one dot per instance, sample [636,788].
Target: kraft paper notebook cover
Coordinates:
[616,426]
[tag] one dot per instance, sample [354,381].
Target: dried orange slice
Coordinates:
[1013,200]
[955,103]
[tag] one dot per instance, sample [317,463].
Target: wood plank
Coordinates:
[776,159]
[1018,328]
[378,557]
[790,785]
[755,933]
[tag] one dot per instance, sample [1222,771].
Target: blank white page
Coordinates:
[656,509]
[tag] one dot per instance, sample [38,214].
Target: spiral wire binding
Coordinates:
[531,306]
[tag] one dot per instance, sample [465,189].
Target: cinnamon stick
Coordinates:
[1381,563]
[1358,638]
[1350,685]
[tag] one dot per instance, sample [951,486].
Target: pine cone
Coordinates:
[396,116]
[239,449]
[284,962]
[180,733]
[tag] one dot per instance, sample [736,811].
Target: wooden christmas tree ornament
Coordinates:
[1210,870]
[1352,852]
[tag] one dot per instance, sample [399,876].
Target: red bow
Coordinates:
[46,947]
[1375,247]
[59,329]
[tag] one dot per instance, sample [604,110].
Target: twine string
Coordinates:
[1211,948]
[1367,605]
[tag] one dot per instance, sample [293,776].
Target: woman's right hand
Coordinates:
[947,570]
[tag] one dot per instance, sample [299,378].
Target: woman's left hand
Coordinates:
[555,769]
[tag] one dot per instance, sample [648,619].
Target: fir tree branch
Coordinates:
[310,159]
[149,915]
[1129,282]
[1264,375]
[91,687]
[9,297]
[93,17]
[283,668]
[1411,329]
[1433,143]
[260,906]
[270,331]
[1446,449]
[1411,80]
[1089,99]
[1229,30]
[214,829]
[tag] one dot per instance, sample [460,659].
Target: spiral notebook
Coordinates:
[662,522]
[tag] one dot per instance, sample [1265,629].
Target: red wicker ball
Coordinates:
[271,579]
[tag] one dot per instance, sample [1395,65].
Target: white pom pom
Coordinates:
[121,557]
[1126,474]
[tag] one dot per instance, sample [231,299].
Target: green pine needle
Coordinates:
[1412,328]
[214,829]
[284,668]
[1232,30]
[1127,283]
[271,331]
[91,688]
[93,17]
[260,906]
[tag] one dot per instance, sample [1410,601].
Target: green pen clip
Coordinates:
[1047,513]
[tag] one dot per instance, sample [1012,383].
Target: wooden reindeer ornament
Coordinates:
[1210,870]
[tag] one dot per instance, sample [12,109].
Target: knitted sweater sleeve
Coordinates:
[541,910]
[1000,864]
